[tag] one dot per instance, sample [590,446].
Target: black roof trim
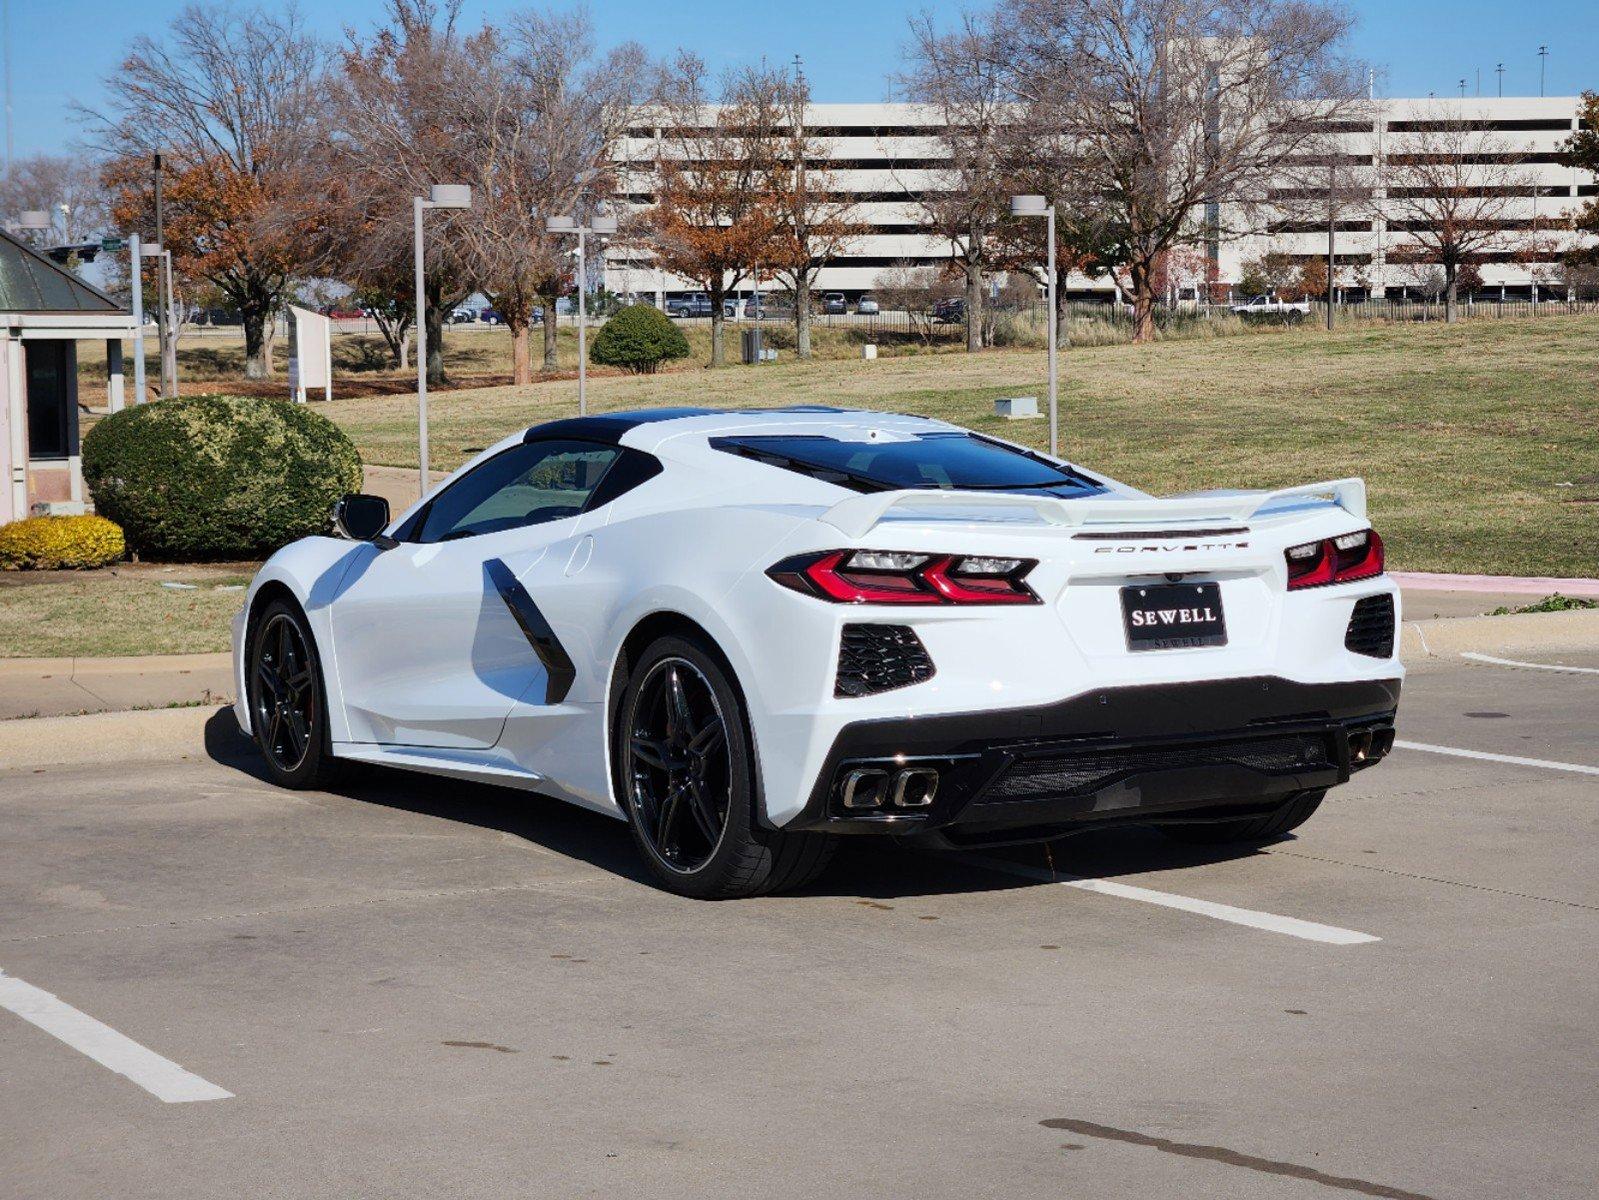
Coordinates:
[609,427]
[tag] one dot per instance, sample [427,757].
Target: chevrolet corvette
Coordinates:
[749,633]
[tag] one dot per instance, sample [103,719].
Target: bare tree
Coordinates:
[912,290]
[229,99]
[1182,111]
[816,222]
[965,77]
[1454,193]
[401,121]
[67,186]
[715,216]
[545,127]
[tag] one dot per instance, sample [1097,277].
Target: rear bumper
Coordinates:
[1190,751]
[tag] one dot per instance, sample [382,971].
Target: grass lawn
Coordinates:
[121,610]
[1480,442]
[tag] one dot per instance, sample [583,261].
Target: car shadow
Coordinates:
[872,868]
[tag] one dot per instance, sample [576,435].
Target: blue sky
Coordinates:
[61,50]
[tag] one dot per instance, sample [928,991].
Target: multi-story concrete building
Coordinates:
[884,156]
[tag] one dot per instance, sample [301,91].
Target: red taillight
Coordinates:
[897,577]
[1341,559]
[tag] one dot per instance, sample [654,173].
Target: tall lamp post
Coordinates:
[1038,206]
[440,195]
[598,225]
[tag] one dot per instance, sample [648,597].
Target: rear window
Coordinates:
[946,461]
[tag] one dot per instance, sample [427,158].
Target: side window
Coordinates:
[526,485]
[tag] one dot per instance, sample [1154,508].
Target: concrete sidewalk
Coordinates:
[54,687]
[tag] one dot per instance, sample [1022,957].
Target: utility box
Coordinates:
[1017,408]
[750,341]
[869,352]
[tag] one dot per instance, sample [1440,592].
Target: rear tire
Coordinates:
[684,774]
[1291,814]
[288,700]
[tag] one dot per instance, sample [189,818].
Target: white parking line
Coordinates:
[1511,662]
[161,1077]
[1311,931]
[1514,760]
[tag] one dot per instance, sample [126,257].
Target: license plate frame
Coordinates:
[1173,616]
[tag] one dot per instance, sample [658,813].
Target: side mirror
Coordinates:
[361,518]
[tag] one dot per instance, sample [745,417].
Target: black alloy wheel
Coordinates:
[287,701]
[685,775]
[285,693]
[677,764]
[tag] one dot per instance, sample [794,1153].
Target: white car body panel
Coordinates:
[426,668]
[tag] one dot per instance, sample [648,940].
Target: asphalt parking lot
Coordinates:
[423,988]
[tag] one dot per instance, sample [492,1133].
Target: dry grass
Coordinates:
[1465,434]
[120,610]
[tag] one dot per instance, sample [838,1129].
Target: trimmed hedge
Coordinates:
[57,543]
[639,338]
[213,477]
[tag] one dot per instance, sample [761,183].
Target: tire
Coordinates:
[684,774]
[288,708]
[1290,814]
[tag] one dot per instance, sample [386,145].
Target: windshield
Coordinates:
[947,461]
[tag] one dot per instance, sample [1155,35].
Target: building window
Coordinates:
[52,398]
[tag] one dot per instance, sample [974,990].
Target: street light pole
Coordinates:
[440,195]
[1035,206]
[567,224]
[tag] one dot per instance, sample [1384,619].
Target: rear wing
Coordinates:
[859,514]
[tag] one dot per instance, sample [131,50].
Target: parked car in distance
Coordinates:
[696,304]
[867,307]
[949,311]
[1289,310]
[491,316]
[462,316]
[834,304]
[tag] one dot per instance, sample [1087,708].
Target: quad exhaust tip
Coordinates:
[907,787]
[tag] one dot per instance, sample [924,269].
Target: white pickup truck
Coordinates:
[1290,310]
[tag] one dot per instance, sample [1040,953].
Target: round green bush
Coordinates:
[217,476]
[639,338]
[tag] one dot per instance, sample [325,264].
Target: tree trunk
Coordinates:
[402,349]
[1143,281]
[551,347]
[435,363]
[255,357]
[1451,296]
[521,360]
[1063,311]
[718,358]
[802,315]
[974,310]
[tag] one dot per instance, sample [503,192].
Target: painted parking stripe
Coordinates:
[1514,760]
[1511,662]
[1310,931]
[161,1077]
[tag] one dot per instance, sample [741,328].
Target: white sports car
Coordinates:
[746,633]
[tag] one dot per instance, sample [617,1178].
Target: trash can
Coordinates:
[751,342]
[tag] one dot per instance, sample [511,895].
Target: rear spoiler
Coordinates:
[859,514]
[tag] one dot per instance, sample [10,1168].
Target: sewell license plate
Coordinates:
[1173,616]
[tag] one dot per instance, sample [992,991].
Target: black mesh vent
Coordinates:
[1065,775]
[1371,627]
[880,658]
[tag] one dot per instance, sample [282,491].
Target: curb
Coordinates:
[1525,585]
[161,734]
[141,664]
[1450,636]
